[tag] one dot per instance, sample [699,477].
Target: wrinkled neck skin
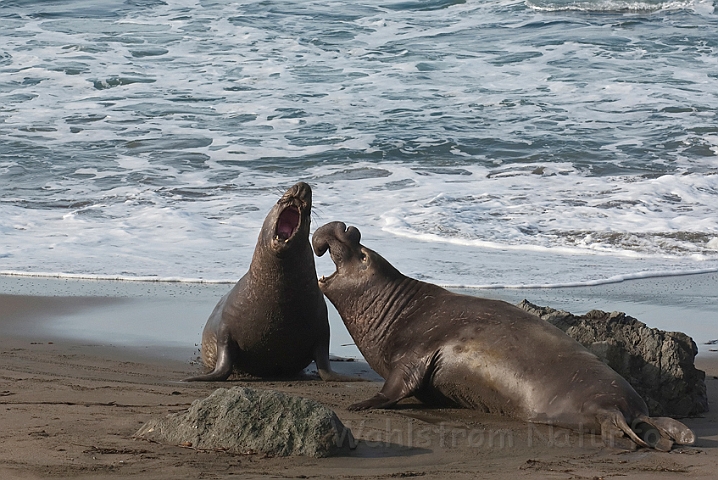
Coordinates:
[370,312]
[272,271]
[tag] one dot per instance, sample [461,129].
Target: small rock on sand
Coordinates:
[244,420]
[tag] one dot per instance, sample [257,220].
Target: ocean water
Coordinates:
[494,143]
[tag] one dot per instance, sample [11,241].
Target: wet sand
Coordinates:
[70,407]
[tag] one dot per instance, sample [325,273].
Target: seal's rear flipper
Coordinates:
[222,369]
[614,437]
[659,433]
[653,436]
[671,428]
[613,428]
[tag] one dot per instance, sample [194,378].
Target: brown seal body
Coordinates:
[458,350]
[273,323]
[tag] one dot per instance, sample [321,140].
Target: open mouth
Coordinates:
[288,223]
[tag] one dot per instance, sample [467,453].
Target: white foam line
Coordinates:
[116,278]
[433,238]
[610,6]
[591,250]
[589,283]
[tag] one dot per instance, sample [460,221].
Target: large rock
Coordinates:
[244,420]
[658,364]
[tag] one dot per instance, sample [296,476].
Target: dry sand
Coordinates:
[69,409]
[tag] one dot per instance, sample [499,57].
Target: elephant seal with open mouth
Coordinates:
[273,323]
[458,350]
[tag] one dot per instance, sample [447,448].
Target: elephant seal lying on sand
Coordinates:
[459,350]
[273,323]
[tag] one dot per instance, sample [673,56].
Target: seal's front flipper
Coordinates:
[403,382]
[222,369]
[324,368]
[379,400]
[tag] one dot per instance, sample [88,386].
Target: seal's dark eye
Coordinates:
[362,257]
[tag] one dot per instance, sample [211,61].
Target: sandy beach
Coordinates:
[71,404]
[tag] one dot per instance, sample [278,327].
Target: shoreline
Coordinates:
[171,315]
[204,281]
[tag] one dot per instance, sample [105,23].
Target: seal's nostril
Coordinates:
[353,235]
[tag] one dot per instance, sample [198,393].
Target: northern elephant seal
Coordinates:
[273,323]
[458,350]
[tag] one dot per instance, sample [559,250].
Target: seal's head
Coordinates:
[359,269]
[288,222]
